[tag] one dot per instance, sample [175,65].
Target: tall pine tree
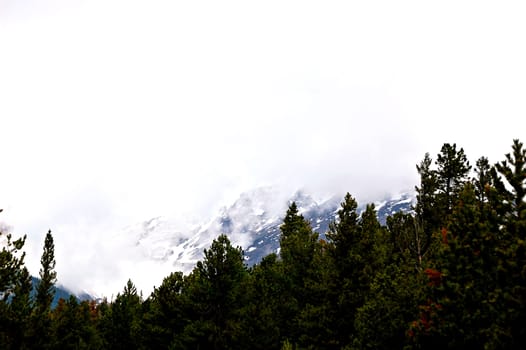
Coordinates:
[214,299]
[14,292]
[510,183]
[452,173]
[427,218]
[297,248]
[45,291]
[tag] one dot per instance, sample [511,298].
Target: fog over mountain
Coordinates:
[114,113]
[150,250]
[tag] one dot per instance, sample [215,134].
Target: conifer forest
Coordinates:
[450,274]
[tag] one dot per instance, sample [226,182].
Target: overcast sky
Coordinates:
[112,112]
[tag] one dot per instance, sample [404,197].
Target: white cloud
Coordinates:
[116,111]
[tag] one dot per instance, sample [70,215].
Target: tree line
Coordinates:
[450,274]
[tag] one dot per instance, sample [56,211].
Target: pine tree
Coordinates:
[460,311]
[476,284]
[343,238]
[297,244]
[11,262]
[509,178]
[45,291]
[343,234]
[266,314]
[14,292]
[407,239]
[427,218]
[165,315]
[319,313]
[48,276]
[513,169]
[125,320]
[483,181]
[72,325]
[297,248]
[214,299]
[358,254]
[21,308]
[452,173]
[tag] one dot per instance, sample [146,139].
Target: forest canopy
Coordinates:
[449,274]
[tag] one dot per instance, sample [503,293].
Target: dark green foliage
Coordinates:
[316,318]
[393,299]
[21,307]
[510,184]
[462,283]
[405,237]
[483,181]
[124,320]
[475,291]
[48,276]
[427,218]
[15,306]
[267,313]
[214,299]
[11,261]
[41,319]
[512,189]
[164,318]
[73,325]
[451,274]
[358,247]
[342,234]
[298,244]
[452,173]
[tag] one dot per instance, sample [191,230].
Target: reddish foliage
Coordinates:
[435,276]
[444,235]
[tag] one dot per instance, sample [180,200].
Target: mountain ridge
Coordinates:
[149,250]
[251,222]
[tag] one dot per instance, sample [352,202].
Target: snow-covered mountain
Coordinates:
[251,222]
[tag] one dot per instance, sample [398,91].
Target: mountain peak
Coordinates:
[252,221]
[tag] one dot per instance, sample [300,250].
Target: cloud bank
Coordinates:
[114,112]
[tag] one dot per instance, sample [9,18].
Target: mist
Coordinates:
[116,112]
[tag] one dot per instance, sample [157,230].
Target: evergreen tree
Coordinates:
[452,173]
[355,245]
[103,323]
[477,288]
[512,191]
[390,305]
[73,325]
[21,308]
[368,257]
[11,262]
[45,291]
[48,277]
[266,313]
[14,293]
[125,320]
[460,311]
[214,299]
[427,218]
[483,181]
[165,317]
[297,247]
[509,178]
[406,238]
[343,234]
[319,313]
